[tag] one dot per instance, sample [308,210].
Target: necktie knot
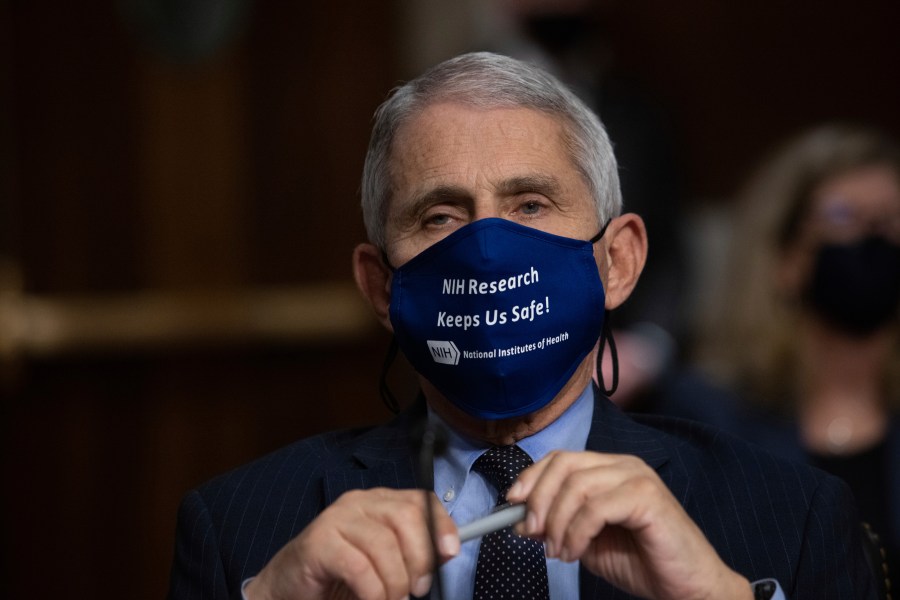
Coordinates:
[501,465]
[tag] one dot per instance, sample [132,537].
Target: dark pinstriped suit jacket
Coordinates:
[764,516]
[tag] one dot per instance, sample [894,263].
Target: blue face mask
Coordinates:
[498,316]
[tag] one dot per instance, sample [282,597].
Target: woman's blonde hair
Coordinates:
[750,341]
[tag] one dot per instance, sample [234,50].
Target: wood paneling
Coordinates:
[166,212]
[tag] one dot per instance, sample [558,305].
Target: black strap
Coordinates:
[383,388]
[387,263]
[607,335]
[597,237]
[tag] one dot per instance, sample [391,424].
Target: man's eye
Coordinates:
[437,220]
[530,208]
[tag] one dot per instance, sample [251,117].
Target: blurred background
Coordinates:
[179,201]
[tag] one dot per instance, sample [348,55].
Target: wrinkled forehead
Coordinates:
[437,129]
[456,145]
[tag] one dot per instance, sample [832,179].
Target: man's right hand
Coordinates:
[369,544]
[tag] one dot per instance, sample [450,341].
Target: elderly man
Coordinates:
[491,200]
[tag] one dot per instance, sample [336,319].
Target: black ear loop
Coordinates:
[432,442]
[597,237]
[387,396]
[607,335]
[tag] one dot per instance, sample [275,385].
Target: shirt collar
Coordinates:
[568,432]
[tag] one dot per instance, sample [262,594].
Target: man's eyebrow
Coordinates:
[436,195]
[541,184]
[441,193]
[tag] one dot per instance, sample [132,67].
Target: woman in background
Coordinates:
[809,332]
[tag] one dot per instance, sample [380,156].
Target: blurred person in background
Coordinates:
[808,333]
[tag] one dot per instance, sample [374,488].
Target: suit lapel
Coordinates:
[614,432]
[382,457]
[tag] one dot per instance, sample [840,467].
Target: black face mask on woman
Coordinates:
[855,287]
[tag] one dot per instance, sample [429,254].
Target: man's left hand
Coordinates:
[614,514]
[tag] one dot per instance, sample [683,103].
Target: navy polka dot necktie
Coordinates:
[509,566]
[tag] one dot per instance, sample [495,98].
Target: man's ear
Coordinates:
[626,253]
[373,278]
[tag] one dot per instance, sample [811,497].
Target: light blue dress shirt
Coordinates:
[467,495]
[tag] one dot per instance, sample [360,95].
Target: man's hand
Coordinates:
[614,514]
[372,545]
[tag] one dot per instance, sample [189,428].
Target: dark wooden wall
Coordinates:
[740,76]
[133,164]
[129,164]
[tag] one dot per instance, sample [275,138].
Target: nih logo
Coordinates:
[444,352]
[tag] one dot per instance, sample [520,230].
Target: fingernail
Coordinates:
[549,550]
[449,544]
[531,523]
[423,584]
[515,490]
[564,555]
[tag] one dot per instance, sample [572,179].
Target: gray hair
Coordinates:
[487,80]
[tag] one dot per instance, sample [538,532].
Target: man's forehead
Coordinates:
[449,131]
[458,113]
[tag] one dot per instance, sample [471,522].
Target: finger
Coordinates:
[445,531]
[409,522]
[404,512]
[638,505]
[383,551]
[579,487]
[542,484]
[526,480]
[537,486]
[354,569]
[444,546]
